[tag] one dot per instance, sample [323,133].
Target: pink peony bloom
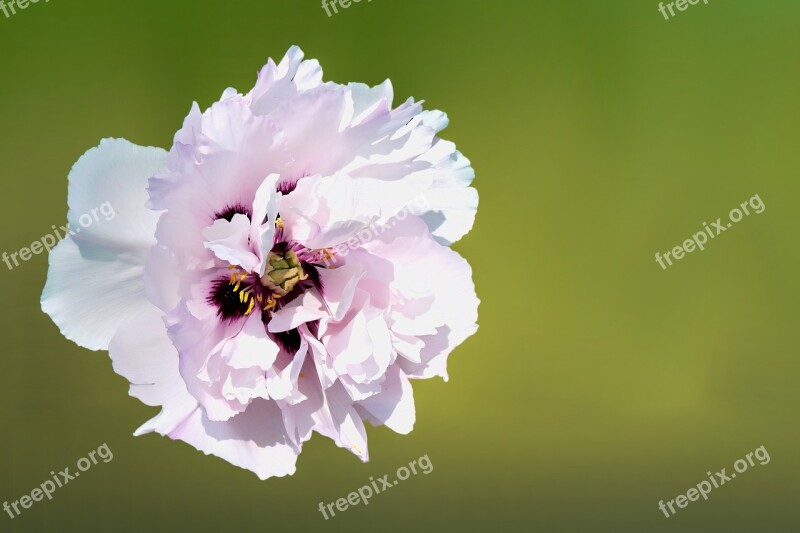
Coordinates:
[284,268]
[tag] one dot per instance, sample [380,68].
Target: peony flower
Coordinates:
[284,269]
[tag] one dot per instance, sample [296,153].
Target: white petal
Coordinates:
[283,384]
[265,206]
[278,83]
[423,268]
[394,407]
[449,207]
[90,295]
[255,440]
[230,241]
[108,185]
[200,362]
[325,211]
[350,344]
[143,354]
[369,102]
[95,282]
[162,280]
[362,349]
[336,418]
[251,348]
[306,308]
[340,286]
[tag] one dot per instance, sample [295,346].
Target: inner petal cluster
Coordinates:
[290,269]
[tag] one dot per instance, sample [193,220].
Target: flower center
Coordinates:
[247,292]
[284,270]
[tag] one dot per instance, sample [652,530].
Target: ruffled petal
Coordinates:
[142,353]
[450,206]
[255,440]
[335,417]
[434,292]
[278,83]
[230,241]
[251,348]
[394,406]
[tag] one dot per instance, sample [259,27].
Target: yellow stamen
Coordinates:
[271,303]
[250,309]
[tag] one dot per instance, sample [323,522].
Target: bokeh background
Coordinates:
[597,385]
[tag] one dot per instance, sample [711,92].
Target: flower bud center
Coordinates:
[283,272]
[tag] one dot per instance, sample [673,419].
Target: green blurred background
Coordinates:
[597,385]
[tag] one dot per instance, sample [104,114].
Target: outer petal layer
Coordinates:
[95,282]
[142,353]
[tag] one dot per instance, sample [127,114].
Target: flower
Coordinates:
[222,289]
